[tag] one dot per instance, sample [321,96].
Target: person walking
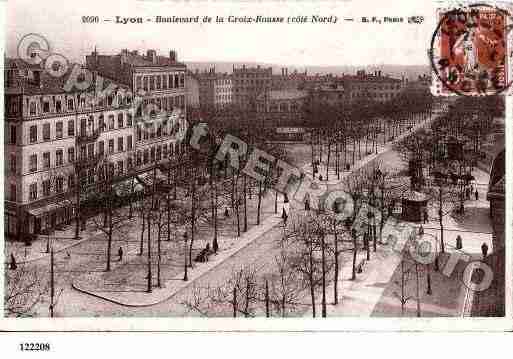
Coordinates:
[13,265]
[484,249]
[120,254]
[477,195]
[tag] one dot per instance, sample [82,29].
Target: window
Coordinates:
[120,168]
[111,122]
[129,143]
[90,150]
[71,181]
[58,106]
[152,154]
[46,106]
[146,156]
[111,145]
[33,191]
[71,104]
[71,128]
[33,134]
[59,184]
[120,121]
[32,108]
[33,163]
[101,148]
[129,119]
[90,175]
[13,135]
[83,152]
[46,188]
[120,144]
[71,154]
[13,192]
[83,127]
[12,163]
[159,153]
[58,157]
[101,123]
[164,150]
[46,160]
[46,132]
[58,129]
[138,158]
[129,163]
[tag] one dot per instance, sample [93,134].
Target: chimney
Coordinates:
[379,73]
[152,56]
[286,71]
[172,55]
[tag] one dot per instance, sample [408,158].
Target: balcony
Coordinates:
[88,136]
[83,162]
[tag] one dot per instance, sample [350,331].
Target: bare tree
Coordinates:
[24,289]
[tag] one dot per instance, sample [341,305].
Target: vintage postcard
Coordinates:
[257,165]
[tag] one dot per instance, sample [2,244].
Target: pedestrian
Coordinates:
[459,242]
[120,254]
[484,249]
[226,213]
[477,195]
[13,265]
[307,201]
[284,216]
[425,216]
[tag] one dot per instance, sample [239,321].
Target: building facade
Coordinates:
[282,113]
[50,132]
[249,83]
[159,82]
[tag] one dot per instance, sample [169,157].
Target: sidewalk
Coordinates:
[366,159]
[359,297]
[59,240]
[175,284]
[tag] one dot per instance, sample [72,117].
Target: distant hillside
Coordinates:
[397,71]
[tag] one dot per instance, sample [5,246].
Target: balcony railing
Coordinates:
[89,136]
[88,161]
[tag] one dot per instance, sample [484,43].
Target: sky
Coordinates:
[344,43]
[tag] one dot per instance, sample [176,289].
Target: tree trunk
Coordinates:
[323,253]
[142,231]
[244,180]
[355,250]
[259,201]
[335,284]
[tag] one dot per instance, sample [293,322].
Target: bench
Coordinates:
[359,267]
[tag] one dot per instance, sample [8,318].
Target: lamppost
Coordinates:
[185,278]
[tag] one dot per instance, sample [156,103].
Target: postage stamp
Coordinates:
[471,51]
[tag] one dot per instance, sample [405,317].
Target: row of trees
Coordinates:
[342,131]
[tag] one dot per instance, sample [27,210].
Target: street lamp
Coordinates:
[185,257]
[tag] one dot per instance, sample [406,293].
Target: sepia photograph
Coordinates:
[172,160]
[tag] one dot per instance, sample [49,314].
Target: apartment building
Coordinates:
[159,83]
[53,139]
[249,83]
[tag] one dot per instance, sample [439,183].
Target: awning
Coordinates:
[122,187]
[51,207]
[146,179]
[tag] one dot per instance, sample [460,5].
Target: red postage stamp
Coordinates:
[470,51]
